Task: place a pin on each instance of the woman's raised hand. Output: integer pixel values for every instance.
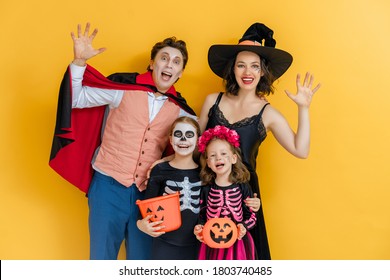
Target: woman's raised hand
(305, 92)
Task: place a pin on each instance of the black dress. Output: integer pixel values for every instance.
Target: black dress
(252, 133)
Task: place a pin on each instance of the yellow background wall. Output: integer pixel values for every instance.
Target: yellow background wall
(334, 205)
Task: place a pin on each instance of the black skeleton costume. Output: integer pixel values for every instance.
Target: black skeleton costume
(165, 179)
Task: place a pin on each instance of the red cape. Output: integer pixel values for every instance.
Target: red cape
(77, 132)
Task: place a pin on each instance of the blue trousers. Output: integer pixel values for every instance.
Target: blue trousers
(112, 218)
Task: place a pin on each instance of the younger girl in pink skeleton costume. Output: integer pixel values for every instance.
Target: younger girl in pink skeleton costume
(226, 188)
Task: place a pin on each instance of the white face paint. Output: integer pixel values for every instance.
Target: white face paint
(167, 68)
(184, 139)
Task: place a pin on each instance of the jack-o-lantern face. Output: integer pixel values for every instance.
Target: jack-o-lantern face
(158, 214)
(220, 233)
(164, 208)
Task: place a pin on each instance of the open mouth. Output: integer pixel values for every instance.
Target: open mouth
(166, 76)
(247, 80)
(221, 238)
(156, 218)
(183, 146)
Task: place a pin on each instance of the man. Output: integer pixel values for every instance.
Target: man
(136, 118)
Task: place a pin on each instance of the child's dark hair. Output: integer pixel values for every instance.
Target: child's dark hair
(239, 174)
(188, 120)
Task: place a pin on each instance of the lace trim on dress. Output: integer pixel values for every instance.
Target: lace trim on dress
(244, 122)
(240, 123)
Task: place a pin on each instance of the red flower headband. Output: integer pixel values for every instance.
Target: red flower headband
(221, 132)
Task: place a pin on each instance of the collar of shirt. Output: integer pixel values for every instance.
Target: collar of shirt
(158, 98)
(155, 104)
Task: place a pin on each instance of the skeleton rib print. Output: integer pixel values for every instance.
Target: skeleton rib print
(228, 203)
(189, 193)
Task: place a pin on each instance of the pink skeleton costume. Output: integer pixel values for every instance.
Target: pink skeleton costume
(227, 201)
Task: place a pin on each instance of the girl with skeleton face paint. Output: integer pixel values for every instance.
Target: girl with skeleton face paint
(181, 174)
(183, 139)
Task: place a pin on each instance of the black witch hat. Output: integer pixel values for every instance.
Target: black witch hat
(258, 39)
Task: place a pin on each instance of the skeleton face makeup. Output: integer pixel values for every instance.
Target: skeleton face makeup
(183, 139)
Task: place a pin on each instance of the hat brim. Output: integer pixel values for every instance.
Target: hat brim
(278, 60)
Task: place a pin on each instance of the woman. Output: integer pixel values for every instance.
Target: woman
(249, 70)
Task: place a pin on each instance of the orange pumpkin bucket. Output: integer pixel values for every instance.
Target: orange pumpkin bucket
(164, 208)
(219, 233)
